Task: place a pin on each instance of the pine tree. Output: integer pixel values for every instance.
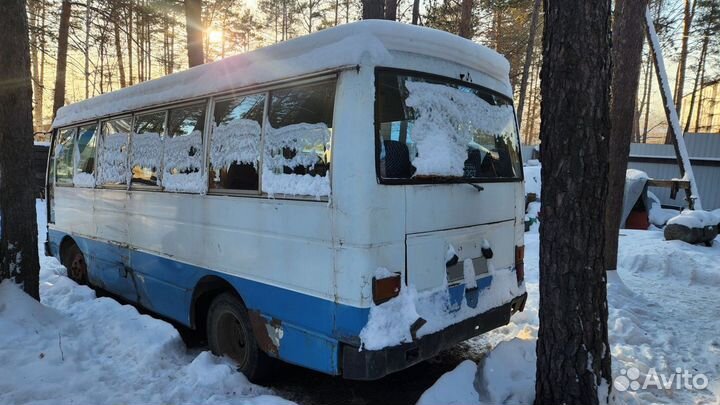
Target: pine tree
(573, 360)
(18, 233)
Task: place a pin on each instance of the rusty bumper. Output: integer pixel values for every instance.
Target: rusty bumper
(375, 364)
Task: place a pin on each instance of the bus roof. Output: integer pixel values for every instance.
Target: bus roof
(363, 42)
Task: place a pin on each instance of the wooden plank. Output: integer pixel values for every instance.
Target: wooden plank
(692, 195)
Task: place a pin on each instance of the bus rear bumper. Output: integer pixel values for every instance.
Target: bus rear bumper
(375, 364)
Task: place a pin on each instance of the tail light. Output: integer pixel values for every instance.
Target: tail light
(384, 289)
(520, 263)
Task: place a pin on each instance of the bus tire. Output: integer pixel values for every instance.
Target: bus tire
(230, 334)
(74, 262)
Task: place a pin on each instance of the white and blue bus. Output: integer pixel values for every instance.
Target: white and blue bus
(350, 201)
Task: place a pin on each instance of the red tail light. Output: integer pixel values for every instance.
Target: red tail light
(385, 288)
(520, 263)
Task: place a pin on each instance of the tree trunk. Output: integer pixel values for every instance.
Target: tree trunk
(118, 48)
(700, 65)
(627, 38)
(391, 10)
(531, 111)
(573, 360)
(373, 9)
(337, 11)
(533, 104)
(18, 247)
(415, 12)
(86, 50)
(140, 43)
(130, 42)
(193, 20)
(40, 100)
(700, 97)
(34, 58)
(61, 67)
(649, 97)
(680, 80)
(528, 60)
(466, 28)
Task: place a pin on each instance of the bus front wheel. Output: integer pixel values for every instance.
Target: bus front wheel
(230, 334)
(74, 262)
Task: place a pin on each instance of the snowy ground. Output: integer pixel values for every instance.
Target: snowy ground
(664, 307)
(76, 348)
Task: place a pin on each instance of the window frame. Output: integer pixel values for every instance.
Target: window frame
(267, 90)
(136, 115)
(74, 128)
(291, 82)
(439, 180)
(101, 123)
(266, 122)
(97, 139)
(211, 122)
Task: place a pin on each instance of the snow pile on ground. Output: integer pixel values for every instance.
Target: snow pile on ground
(663, 306)
(657, 215)
(695, 219)
(76, 348)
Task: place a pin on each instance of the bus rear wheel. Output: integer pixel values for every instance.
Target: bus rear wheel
(230, 334)
(74, 262)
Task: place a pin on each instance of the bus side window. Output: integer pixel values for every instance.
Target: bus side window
(64, 150)
(235, 144)
(183, 149)
(85, 169)
(113, 152)
(298, 137)
(146, 148)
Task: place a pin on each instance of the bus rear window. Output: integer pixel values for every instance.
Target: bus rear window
(443, 130)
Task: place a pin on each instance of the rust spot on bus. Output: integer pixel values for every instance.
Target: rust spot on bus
(267, 334)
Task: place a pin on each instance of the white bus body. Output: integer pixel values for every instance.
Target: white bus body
(316, 254)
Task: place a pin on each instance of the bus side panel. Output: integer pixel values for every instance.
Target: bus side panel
(308, 323)
(105, 263)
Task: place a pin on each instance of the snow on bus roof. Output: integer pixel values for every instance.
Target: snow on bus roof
(362, 42)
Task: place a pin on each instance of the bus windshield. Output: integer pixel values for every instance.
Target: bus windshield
(431, 129)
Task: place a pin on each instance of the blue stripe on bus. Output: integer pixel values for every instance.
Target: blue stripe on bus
(312, 327)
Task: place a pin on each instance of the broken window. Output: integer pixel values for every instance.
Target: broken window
(85, 155)
(183, 149)
(296, 158)
(146, 148)
(112, 167)
(235, 145)
(64, 148)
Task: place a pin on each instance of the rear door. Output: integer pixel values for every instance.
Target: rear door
(447, 225)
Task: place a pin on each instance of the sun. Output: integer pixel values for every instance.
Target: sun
(215, 35)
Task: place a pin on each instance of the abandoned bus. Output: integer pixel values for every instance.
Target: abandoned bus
(350, 201)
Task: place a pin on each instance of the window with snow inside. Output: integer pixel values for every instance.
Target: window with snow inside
(112, 168)
(432, 129)
(296, 156)
(183, 149)
(146, 148)
(235, 144)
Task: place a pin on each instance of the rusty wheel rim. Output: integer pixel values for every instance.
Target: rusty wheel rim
(78, 268)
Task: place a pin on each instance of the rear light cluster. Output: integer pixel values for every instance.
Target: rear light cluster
(520, 263)
(384, 289)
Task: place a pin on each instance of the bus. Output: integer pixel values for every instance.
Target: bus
(350, 201)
